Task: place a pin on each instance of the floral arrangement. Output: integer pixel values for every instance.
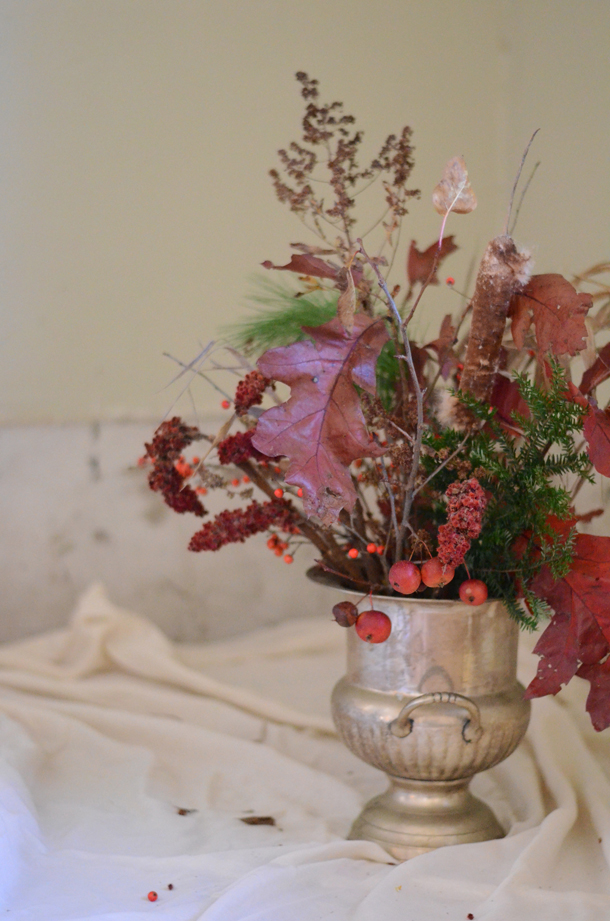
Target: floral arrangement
(448, 468)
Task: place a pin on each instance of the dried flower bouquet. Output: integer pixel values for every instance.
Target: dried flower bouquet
(450, 466)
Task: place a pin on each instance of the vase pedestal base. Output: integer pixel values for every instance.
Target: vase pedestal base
(416, 816)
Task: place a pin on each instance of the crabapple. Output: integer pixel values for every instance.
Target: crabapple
(345, 613)
(373, 626)
(435, 574)
(473, 591)
(405, 577)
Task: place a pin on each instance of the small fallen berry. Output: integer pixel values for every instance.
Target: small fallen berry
(246, 479)
(226, 404)
(170, 886)
(278, 493)
(235, 481)
(449, 280)
(353, 553)
(373, 626)
(300, 493)
(152, 896)
(195, 460)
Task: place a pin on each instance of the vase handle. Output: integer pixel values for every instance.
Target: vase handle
(403, 725)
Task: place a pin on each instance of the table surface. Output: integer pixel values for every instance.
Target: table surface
(130, 764)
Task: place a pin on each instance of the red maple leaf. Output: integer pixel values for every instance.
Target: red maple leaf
(321, 428)
(598, 372)
(419, 263)
(597, 434)
(577, 640)
(557, 311)
(506, 399)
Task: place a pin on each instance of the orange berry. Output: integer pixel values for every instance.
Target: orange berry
(288, 558)
(272, 542)
(246, 479)
(278, 493)
(300, 493)
(380, 549)
(201, 491)
(278, 551)
(371, 548)
(152, 896)
(353, 553)
(226, 404)
(235, 481)
(195, 460)
(449, 280)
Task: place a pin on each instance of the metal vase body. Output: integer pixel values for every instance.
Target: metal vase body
(431, 706)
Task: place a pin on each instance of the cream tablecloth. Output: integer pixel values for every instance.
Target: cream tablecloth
(127, 764)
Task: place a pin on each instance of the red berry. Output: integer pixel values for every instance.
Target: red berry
(246, 479)
(373, 626)
(353, 553)
(435, 574)
(345, 613)
(449, 280)
(380, 549)
(226, 404)
(278, 551)
(272, 542)
(405, 577)
(201, 491)
(288, 558)
(278, 493)
(300, 493)
(473, 591)
(152, 896)
(371, 548)
(235, 481)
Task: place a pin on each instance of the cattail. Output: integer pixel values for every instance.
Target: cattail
(503, 271)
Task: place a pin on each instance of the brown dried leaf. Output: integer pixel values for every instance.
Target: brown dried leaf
(346, 305)
(454, 192)
(305, 264)
(419, 263)
(258, 820)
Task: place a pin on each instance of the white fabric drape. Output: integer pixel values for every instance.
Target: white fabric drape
(128, 762)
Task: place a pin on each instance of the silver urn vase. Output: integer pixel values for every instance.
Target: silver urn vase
(433, 705)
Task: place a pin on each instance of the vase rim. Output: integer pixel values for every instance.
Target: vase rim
(317, 575)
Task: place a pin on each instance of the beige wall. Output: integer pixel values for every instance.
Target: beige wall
(137, 135)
